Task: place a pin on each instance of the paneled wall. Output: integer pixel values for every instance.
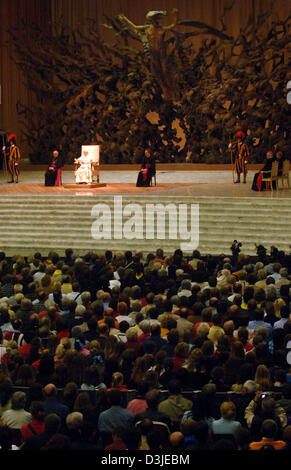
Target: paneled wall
(76, 13)
(13, 85)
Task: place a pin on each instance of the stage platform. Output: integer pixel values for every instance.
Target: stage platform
(38, 218)
(176, 183)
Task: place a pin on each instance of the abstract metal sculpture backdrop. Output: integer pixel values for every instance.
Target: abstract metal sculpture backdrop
(151, 84)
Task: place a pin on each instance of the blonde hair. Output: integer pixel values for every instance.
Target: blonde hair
(203, 329)
(60, 351)
(278, 304)
(62, 348)
(262, 274)
(131, 334)
(11, 345)
(66, 342)
(262, 377)
(228, 410)
(117, 379)
(215, 335)
(231, 279)
(94, 346)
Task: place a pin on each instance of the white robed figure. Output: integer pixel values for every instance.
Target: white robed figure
(84, 172)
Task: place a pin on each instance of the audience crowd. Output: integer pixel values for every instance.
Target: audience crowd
(118, 351)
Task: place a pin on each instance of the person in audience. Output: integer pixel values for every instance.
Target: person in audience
(114, 417)
(52, 404)
(227, 423)
(269, 432)
(176, 405)
(17, 415)
(36, 426)
(227, 328)
(117, 440)
(264, 406)
(52, 424)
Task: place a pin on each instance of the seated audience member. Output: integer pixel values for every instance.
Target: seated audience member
(92, 379)
(17, 415)
(259, 321)
(242, 437)
(52, 405)
(263, 378)
(139, 404)
(64, 326)
(6, 438)
(227, 423)
(285, 401)
(243, 398)
(117, 382)
(269, 441)
(262, 407)
(117, 440)
(52, 424)
(286, 437)
(6, 392)
(155, 337)
(36, 426)
(115, 416)
(69, 395)
(152, 412)
(204, 407)
(177, 443)
(175, 405)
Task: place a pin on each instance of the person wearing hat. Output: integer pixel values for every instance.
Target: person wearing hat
(258, 184)
(13, 160)
(148, 169)
(241, 155)
(53, 172)
(280, 159)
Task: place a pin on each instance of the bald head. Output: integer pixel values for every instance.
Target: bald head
(50, 390)
(176, 438)
(228, 327)
(109, 311)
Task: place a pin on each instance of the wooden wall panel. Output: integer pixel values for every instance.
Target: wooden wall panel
(76, 12)
(13, 83)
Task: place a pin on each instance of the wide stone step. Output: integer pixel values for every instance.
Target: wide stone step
(30, 223)
(146, 243)
(207, 231)
(204, 224)
(87, 208)
(81, 199)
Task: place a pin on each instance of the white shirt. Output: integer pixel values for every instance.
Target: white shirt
(121, 318)
(73, 296)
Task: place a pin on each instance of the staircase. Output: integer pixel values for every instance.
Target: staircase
(30, 223)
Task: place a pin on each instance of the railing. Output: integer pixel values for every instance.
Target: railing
(128, 395)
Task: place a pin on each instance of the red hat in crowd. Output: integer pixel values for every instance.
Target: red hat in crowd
(280, 153)
(12, 137)
(240, 134)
